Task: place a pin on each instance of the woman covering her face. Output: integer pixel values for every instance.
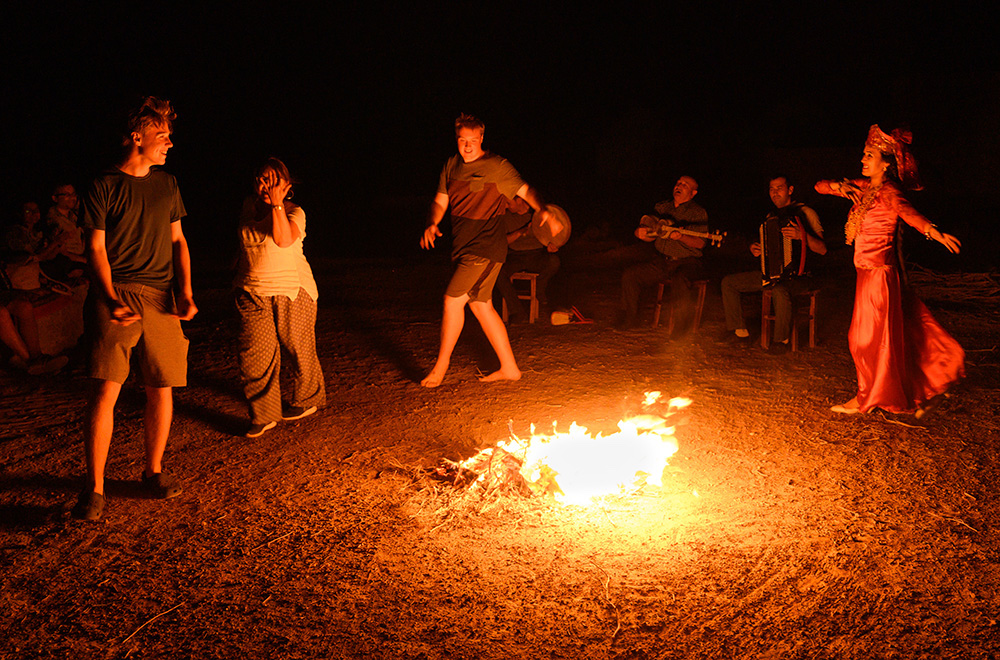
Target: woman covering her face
(276, 298)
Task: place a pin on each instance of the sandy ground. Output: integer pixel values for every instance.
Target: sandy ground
(781, 531)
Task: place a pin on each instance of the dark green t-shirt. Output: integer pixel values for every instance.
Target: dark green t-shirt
(136, 214)
(479, 194)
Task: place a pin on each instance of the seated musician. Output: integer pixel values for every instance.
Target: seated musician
(676, 259)
(525, 253)
(785, 273)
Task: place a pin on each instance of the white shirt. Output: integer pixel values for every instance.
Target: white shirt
(265, 268)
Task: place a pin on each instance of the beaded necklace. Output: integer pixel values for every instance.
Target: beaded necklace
(858, 212)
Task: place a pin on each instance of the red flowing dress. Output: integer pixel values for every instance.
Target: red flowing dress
(902, 355)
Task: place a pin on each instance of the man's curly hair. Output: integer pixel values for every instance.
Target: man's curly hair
(152, 112)
(469, 121)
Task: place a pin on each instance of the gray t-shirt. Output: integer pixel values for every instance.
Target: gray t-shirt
(136, 213)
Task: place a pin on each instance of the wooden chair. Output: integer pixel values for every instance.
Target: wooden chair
(803, 308)
(700, 287)
(531, 294)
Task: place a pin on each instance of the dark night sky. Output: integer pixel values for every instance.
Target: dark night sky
(600, 109)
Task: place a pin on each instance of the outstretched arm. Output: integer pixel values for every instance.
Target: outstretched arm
(913, 218)
(842, 188)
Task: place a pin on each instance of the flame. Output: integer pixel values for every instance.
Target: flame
(576, 467)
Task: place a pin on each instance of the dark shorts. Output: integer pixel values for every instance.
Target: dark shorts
(159, 343)
(474, 276)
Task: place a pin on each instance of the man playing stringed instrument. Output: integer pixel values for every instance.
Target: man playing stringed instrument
(797, 225)
(677, 257)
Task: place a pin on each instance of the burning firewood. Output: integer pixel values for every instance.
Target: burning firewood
(573, 467)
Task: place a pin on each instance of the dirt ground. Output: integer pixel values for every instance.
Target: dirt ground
(782, 530)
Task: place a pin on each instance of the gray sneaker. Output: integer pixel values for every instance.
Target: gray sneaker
(297, 412)
(257, 430)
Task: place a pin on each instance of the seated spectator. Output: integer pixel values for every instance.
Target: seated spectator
(676, 259)
(52, 301)
(19, 333)
(25, 244)
(798, 223)
(62, 228)
(24, 234)
(525, 253)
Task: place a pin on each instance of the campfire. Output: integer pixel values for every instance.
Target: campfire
(574, 467)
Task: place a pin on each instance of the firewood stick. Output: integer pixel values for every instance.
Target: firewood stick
(152, 620)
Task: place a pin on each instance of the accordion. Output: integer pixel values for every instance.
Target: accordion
(780, 257)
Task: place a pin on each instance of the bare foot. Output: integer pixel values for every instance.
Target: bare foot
(502, 374)
(433, 379)
(929, 406)
(850, 408)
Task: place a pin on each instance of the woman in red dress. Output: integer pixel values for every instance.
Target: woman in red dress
(904, 358)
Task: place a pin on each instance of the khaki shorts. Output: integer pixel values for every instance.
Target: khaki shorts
(474, 276)
(159, 343)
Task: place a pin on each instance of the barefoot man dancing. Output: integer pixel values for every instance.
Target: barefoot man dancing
(480, 188)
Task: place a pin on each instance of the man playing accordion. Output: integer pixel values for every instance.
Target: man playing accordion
(789, 233)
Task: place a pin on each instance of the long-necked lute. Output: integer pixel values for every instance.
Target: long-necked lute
(663, 227)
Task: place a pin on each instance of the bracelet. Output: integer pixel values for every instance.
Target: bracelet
(279, 207)
(927, 232)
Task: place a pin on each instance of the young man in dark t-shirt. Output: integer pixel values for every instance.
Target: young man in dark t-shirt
(480, 188)
(140, 292)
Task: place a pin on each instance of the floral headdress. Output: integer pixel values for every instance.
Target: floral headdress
(897, 145)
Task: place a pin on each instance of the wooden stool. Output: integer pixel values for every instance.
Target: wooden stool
(800, 312)
(700, 286)
(531, 294)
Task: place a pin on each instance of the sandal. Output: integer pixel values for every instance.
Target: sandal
(160, 487)
(90, 506)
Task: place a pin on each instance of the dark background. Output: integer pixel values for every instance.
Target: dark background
(600, 109)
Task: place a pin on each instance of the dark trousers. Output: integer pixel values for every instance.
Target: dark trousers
(540, 261)
(781, 298)
(678, 272)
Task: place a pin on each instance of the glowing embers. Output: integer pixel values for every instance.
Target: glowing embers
(575, 467)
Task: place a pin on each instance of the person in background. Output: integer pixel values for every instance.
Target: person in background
(19, 333)
(800, 227)
(676, 259)
(526, 253)
(62, 228)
